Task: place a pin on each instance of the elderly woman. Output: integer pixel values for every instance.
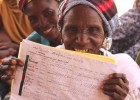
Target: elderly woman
(126, 38)
(42, 15)
(84, 27)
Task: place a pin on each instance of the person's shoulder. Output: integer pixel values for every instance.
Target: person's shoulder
(125, 59)
(34, 36)
(60, 46)
(130, 68)
(122, 56)
(130, 14)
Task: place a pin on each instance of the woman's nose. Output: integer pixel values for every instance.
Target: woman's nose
(82, 39)
(43, 22)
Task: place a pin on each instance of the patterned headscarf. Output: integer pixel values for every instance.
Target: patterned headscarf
(105, 8)
(23, 3)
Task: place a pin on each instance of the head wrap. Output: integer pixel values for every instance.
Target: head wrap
(23, 3)
(105, 8)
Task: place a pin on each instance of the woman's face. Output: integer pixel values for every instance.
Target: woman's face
(83, 30)
(43, 17)
(138, 6)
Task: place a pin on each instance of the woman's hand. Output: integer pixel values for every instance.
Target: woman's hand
(8, 67)
(8, 52)
(8, 49)
(116, 87)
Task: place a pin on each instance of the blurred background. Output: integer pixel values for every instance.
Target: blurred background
(123, 5)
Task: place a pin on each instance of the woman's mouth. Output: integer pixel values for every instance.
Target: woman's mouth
(48, 30)
(82, 50)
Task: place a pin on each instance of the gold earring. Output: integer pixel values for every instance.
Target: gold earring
(61, 41)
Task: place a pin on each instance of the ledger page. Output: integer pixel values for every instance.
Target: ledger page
(53, 74)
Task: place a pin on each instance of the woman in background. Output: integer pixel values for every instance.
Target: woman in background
(126, 38)
(42, 15)
(14, 26)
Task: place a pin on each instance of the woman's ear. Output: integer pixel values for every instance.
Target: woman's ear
(60, 31)
(61, 39)
(107, 43)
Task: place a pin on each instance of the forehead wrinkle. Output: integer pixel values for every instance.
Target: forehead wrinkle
(34, 4)
(71, 18)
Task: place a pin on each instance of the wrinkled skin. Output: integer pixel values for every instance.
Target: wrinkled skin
(8, 67)
(138, 6)
(87, 35)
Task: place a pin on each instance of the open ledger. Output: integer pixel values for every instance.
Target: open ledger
(56, 74)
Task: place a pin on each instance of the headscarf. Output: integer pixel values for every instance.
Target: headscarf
(105, 8)
(23, 3)
(14, 22)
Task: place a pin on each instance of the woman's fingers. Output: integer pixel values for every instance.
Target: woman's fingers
(119, 75)
(6, 77)
(6, 72)
(115, 89)
(8, 67)
(116, 86)
(4, 67)
(12, 61)
(9, 61)
(118, 82)
(19, 62)
(113, 96)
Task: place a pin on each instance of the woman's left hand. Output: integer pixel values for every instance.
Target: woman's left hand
(8, 67)
(116, 87)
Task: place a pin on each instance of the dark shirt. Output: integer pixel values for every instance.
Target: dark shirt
(4, 89)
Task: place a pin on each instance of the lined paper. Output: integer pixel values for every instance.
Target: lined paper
(54, 74)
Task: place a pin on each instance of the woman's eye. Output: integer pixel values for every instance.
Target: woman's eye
(32, 20)
(73, 30)
(92, 30)
(49, 13)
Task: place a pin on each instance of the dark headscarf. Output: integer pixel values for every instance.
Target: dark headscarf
(105, 8)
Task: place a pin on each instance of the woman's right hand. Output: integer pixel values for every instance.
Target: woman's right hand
(116, 86)
(8, 67)
(8, 49)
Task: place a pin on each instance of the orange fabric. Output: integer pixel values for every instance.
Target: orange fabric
(15, 23)
(22, 3)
